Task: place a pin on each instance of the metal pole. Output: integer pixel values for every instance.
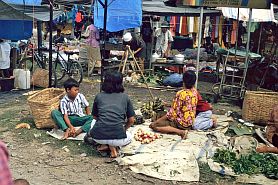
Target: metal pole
(104, 38)
(259, 44)
(50, 42)
(199, 44)
(247, 49)
(39, 30)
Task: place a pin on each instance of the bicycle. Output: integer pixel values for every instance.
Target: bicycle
(70, 67)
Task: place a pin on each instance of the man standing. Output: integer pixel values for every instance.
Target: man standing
(163, 40)
(137, 45)
(5, 61)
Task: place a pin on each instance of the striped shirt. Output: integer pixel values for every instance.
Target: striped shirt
(67, 106)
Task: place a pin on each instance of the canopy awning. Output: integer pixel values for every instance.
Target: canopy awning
(258, 15)
(25, 12)
(157, 7)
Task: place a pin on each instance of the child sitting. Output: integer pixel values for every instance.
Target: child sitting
(114, 114)
(182, 113)
(70, 113)
(204, 119)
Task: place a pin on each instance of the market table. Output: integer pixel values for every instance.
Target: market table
(167, 64)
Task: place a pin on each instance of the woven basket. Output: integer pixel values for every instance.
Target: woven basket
(42, 103)
(257, 105)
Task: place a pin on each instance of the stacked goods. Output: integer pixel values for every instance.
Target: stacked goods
(146, 137)
(149, 109)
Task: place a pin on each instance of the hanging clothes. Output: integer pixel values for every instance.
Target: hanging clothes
(216, 31)
(190, 23)
(184, 30)
(233, 35)
(178, 24)
(220, 29)
(207, 25)
(173, 25)
(196, 24)
(213, 25)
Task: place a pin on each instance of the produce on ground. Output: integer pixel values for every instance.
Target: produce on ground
(252, 163)
(149, 109)
(146, 137)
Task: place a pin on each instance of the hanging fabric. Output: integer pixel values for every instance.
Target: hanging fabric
(184, 30)
(213, 25)
(190, 23)
(233, 35)
(178, 24)
(217, 20)
(173, 25)
(220, 29)
(207, 25)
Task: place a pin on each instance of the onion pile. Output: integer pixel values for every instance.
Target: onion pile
(146, 137)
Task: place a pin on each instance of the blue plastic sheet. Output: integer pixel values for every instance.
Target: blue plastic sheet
(27, 2)
(121, 15)
(16, 29)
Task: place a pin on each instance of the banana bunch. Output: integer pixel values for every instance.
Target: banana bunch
(150, 108)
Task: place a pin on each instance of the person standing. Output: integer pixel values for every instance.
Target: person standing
(5, 61)
(147, 34)
(163, 40)
(93, 50)
(137, 45)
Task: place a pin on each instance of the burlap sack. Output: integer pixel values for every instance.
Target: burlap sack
(40, 78)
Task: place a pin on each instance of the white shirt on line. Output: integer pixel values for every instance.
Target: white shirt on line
(5, 50)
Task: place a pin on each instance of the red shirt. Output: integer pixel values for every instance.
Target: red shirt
(5, 174)
(202, 105)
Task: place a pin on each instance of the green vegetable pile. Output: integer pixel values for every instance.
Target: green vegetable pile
(252, 163)
(150, 108)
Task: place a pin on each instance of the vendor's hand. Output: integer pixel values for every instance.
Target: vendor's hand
(166, 104)
(72, 131)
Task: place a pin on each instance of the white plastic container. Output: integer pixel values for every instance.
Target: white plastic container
(22, 78)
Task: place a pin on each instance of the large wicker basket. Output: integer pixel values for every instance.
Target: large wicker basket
(42, 103)
(257, 105)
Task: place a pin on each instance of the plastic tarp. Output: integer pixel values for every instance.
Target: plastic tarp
(121, 14)
(258, 15)
(16, 29)
(26, 2)
(25, 12)
(157, 7)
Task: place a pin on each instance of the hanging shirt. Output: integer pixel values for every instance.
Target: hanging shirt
(93, 38)
(5, 50)
(162, 40)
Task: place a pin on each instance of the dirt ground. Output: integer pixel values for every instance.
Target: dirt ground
(42, 160)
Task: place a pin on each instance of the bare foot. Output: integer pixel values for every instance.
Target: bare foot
(183, 134)
(214, 121)
(66, 134)
(114, 152)
(79, 131)
(262, 149)
(103, 148)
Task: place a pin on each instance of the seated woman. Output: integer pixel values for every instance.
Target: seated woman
(114, 114)
(181, 115)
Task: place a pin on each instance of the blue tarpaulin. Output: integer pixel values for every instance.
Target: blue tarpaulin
(16, 29)
(121, 14)
(27, 2)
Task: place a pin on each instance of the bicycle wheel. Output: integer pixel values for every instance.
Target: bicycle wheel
(59, 70)
(76, 71)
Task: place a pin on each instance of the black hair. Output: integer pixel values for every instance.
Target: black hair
(113, 82)
(59, 30)
(189, 79)
(69, 83)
